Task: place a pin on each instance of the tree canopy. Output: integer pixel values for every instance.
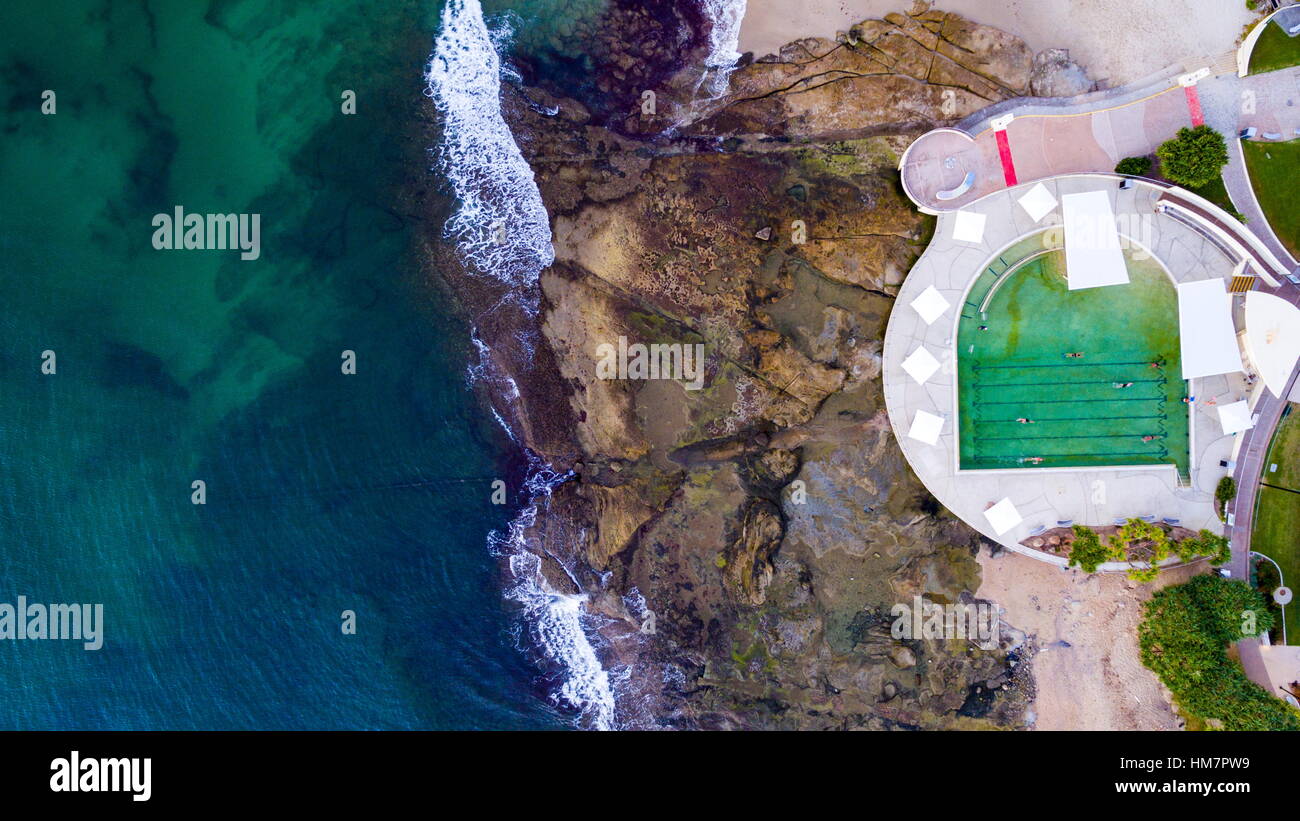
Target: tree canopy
(1193, 158)
(1183, 637)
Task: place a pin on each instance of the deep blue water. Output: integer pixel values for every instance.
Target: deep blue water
(325, 492)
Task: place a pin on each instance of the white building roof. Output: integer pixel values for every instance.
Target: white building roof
(969, 226)
(1003, 516)
(1092, 254)
(1205, 330)
(920, 365)
(1272, 338)
(930, 304)
(926, 427)
(1235, 417)
(1038, 202)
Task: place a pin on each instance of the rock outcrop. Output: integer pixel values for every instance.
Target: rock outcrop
(880, 76)
(767, 519)
(1054, 74)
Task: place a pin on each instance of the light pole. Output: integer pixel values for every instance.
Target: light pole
(1281, 582)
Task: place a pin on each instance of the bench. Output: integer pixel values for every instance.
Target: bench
(953, 193)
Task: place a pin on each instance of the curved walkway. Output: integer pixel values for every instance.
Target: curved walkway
(1092, 133)
(1047, 139)
(1045, 496)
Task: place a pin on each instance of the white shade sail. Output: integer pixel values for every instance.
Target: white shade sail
(930, 304)
(1038, 202)
(969, 226)
(1092, 254)
(1272, 338)
(920, 365)
(1003, 516)
(926, 427)
(1205, 331)
(1235, 417)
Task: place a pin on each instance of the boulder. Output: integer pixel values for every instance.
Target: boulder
(1054, 74)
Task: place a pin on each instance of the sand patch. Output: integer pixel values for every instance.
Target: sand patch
(1118, 41)
(1088, 672)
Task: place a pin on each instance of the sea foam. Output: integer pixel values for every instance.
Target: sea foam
(555, 622)
(500, 224)
(724, 37)
(724, 44)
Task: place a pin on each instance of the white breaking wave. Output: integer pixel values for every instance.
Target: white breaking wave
(500, 225)
(724, 44)
(724, 37)
(555, 620)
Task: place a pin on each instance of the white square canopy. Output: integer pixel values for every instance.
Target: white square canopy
(1003, 516)
(930, 304)
(1038, 202)
(1092, 254)
(926, 427)
(1235, 417)
(1205, 332)
(920, 365)
(969, 226)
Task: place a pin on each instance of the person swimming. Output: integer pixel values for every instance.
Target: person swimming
(1123, 384)
(1025, 421)
(1075, 355)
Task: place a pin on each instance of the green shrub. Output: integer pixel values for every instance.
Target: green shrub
(1194, 157)
(1225, 492)
(1088, 552)
(1135, 166)
(1183, 637)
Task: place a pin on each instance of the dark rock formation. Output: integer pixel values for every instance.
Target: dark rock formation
(768, 519)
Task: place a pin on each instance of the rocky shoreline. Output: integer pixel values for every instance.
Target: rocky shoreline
(743, 544)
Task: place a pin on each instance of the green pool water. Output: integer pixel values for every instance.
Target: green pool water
(1018, 369)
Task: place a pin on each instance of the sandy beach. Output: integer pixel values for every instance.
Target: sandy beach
(1088, 671)
(1118, 41)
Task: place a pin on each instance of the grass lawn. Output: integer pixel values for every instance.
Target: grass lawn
(1274, 169)
(1277, 512)
(1284, 451)
(1274, 50)
(1216, 193)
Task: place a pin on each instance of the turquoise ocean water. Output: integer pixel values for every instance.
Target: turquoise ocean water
(325, 492)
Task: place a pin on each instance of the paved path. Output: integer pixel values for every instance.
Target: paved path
(1046, 139)
(1269, 102)
(1250, 460)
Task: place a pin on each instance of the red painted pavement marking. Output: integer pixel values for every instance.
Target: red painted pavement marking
(1194, 105)
(1004, 151)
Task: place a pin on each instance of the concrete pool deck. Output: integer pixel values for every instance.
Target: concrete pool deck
(1045, 496)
